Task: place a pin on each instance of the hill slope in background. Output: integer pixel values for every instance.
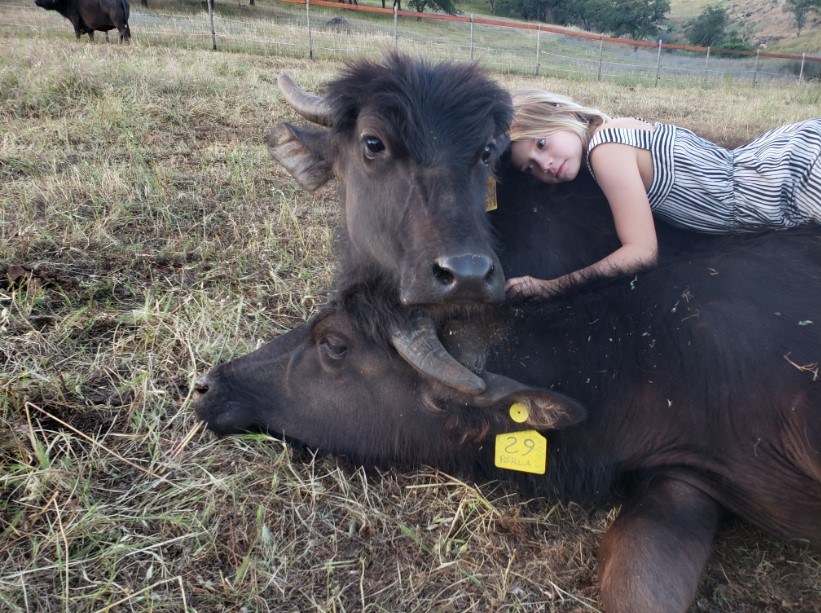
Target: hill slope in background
(768, 22)
(759, 21)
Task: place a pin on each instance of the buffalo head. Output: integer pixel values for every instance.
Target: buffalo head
(413, 146)
(336, 385)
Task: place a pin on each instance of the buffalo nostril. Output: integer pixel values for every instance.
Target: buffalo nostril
(443, 275)
(201, 384)
(463, 269)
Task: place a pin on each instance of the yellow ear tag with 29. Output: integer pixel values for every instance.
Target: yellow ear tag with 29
(525, 451)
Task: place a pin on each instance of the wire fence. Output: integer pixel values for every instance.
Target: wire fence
(333, 30)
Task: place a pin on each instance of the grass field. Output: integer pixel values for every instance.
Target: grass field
(145, 235)
(282, 29)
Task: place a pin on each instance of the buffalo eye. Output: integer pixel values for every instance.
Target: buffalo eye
(487, 153)
(373, 146)
(335, 349)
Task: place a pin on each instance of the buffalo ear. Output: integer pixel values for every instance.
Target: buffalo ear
(549, 410)
(546, 409)
(302, 152)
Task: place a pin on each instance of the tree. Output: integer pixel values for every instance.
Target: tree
(709, 28)
(799, 9)
(636, 18)
(592, 15)
(639, 19)
(446, 6)
(535, 10)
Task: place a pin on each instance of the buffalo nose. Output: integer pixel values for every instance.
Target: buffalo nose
(201, 384)
(466, 273)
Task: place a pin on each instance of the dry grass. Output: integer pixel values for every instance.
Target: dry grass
(274, 28)
(146, 235)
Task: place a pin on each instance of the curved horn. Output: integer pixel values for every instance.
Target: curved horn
(313, 108)
(422, 349)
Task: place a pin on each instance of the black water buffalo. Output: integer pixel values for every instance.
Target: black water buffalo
(687, 392)
(90, 15)
(412, 145)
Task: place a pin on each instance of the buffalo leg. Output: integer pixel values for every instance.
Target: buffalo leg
(652, 557)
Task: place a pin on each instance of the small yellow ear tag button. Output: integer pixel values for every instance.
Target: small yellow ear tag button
(524, 451)
(518, 412)
(490, 195)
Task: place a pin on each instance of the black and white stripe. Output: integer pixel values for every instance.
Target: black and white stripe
(773, 182)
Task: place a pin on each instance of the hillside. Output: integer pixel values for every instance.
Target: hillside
(762, 21)
(769, 22)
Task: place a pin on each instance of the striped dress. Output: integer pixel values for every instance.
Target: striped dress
(773, 182)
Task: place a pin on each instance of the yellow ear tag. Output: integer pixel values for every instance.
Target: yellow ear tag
(518, 412)
(524, 451)
(490, 195)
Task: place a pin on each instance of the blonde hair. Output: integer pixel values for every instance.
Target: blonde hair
(537, 113)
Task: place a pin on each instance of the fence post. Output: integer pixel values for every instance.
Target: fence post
(601, 55)
(658, 64)
(801, 72)
(471, 38)
(395, 26)
(310, 40)
(211, 19)
(706, 61)
(755, 70)
(538, 46)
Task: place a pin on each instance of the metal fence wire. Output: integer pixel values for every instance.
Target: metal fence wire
(334, 30)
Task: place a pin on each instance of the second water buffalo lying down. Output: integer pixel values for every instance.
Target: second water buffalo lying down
(687, 393)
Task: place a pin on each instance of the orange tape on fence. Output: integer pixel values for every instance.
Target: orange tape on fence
(548, 29)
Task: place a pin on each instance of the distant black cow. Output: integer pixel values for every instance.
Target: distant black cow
(412, 145)
(90, 15)
(687, 392)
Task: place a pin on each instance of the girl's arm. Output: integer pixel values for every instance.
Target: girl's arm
(617, 171)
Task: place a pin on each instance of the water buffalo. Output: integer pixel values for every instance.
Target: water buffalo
(687, 393)
(90, 15)
(412, 145)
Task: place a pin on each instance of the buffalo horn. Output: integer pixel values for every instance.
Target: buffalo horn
(422, 349)
(313, 108)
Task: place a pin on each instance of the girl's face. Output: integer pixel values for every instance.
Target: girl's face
(552, 159)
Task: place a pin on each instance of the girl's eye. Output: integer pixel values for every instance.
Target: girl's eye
(373, 146)
(540, 144)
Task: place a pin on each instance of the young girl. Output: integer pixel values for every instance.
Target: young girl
(646, 169)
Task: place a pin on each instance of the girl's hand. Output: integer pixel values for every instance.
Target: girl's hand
(524, 288)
